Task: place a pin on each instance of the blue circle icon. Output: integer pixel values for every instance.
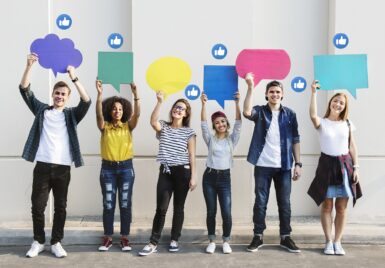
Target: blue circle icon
(63, 21)
(219, 51)
(340, 40)
(298, 84)
(115, 40)
(192, 92)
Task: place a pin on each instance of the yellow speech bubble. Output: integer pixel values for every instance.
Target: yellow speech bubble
(168, 74)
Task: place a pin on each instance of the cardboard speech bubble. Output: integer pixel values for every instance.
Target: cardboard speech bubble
(56, 54)
(263, 63)
(220, 83)
(116, 68)
(168, 74)
(348, 71)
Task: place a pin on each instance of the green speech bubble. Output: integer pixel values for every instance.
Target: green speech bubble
(116, 68)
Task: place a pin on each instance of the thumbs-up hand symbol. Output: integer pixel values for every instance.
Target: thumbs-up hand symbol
(341, 41)
(220, 52)
(117, 41)
(64, 22)
(193, 92)
(300, 84)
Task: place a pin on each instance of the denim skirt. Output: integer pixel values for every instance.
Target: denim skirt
(342, 190)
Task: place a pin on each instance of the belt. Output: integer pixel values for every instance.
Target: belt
(116, 163)
(218, 171)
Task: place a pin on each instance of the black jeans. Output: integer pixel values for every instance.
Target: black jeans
(176, 182)
(46, 177)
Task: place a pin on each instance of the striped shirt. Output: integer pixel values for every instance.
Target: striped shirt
(173, 149)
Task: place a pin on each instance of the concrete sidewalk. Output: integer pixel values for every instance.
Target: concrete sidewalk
(88, 231)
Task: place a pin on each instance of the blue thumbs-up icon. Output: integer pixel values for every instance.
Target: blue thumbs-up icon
(63, 21)
(298, 84)
(340, 40)
(115, 40)
(219, 51)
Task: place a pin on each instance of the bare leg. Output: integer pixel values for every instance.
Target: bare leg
(340, 220)
(326, 218)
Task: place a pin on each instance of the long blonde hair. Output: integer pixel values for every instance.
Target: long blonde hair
(344, 114)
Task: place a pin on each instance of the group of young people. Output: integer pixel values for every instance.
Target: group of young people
(274, 150)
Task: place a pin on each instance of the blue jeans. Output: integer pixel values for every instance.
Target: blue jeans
(117, 176)
(282, 183)
(217, 183)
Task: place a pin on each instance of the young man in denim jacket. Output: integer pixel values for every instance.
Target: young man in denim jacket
(274, 143)
(54, 144)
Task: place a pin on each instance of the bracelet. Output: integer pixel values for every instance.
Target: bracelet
(298, 164)
(136, 99)
(75, 79)
(356, 167)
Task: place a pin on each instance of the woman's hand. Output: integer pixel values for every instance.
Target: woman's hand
(160, 96)
(355, 177)
(31, 59)
(314, 86)
(192, 184)
(203, 98)
(249, 78)
(99, 87)
(237, 96)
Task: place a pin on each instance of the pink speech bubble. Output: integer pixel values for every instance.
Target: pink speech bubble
(264, 63)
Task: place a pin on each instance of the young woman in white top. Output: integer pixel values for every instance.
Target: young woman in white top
(337, 172)
(216, 178)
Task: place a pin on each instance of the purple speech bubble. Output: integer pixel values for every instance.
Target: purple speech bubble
(56, 54)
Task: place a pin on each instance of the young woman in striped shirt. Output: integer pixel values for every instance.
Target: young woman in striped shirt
(177, 169)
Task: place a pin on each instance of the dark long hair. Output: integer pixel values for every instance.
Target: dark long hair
(108, 105)
(186, 120)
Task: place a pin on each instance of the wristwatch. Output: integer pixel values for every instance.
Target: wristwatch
(298, 164)
(75, 79)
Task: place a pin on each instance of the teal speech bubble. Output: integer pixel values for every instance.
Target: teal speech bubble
(116, 68)
(348, 72)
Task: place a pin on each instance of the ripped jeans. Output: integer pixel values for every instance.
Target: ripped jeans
(117, 177)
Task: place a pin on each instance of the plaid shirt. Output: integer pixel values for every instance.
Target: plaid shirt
(72, 115)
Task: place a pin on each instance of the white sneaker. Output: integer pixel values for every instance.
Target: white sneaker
(210, 248)
(226, 248)
(35, 249)
(58, 250)
(148, 249)
(338, 250)
(329, 248)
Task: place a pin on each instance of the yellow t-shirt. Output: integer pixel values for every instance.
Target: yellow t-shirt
(116, 142)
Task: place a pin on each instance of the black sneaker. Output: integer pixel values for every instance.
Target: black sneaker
(289, 244)
(255, 244)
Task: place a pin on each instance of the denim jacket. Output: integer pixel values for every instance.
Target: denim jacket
(72, 115)
(288, 131)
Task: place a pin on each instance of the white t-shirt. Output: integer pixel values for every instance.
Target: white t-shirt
(271, 153)
(54, 147)
(334, 136)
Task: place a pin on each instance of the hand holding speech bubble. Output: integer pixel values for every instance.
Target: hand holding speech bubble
(56, 54)
(264, 63)
(348, 71)
(168, 74)
(220, 83)
(116, 68)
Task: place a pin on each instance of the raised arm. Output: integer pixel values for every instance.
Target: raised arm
(136, 113)
(203, 110)
(249, 95)
(237, 107)
(31, 59)
(99, 107)
(155, 113)
(313, 104)
(82, 92)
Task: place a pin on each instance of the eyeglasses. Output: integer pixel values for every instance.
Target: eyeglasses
(179, 108)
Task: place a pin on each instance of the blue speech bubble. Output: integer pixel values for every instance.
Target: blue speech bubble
(220, 83)
(219, 51)
(63, 21)
(192, 92)
(348, 72)
(340, 40)
(298, 84)
(115, 40)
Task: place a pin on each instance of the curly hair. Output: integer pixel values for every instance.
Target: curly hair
(108, 105)
(186, 120)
